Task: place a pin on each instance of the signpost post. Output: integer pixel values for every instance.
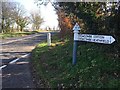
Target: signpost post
(89, 38)
(76, 29)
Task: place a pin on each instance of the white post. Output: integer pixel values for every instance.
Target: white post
(49, 39)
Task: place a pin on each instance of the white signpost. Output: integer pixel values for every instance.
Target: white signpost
(89, 38)
(76, 27)
(95, 38)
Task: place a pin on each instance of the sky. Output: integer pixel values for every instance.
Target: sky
(47, 12)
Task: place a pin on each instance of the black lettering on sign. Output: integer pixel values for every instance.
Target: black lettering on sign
(88, 39)
(93, 39)
(98, 36)
(107, 41)
(103, 40)
(97, 39)
(89, 36)
(100, 40)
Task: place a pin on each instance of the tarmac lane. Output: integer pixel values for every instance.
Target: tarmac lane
(15, 61)
(17, 75)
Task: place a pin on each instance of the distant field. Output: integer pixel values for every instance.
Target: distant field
(47, 30)
(16, 34)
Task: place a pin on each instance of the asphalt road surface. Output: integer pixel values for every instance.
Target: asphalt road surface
(15, 60)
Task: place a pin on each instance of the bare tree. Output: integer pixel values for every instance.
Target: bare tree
(13, 12)
(0, 17)
(22, 22)
(36, 20)
(19, 16)
(6, 14)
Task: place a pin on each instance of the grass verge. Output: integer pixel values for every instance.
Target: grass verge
(94, 69)
(16, 34)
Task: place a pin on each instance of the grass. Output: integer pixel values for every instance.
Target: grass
(16, 34)
(92, 70)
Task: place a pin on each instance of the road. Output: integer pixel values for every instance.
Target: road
(15, 61)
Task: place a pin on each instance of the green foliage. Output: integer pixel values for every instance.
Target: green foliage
(13, 13)
(93, 14)
(94, 18)
(93, 69)
(22, 22)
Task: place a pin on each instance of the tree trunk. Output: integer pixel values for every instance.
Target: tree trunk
(18, 28)
(21, 28)
(2, 28)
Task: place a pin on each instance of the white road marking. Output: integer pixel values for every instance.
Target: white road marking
(15, 60)
(1, 54)
(3, 67)
(19, 39)
(25, 55)
(18, 58)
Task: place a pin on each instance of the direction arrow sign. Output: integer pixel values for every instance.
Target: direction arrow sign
(95, 38)
(76, 27)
